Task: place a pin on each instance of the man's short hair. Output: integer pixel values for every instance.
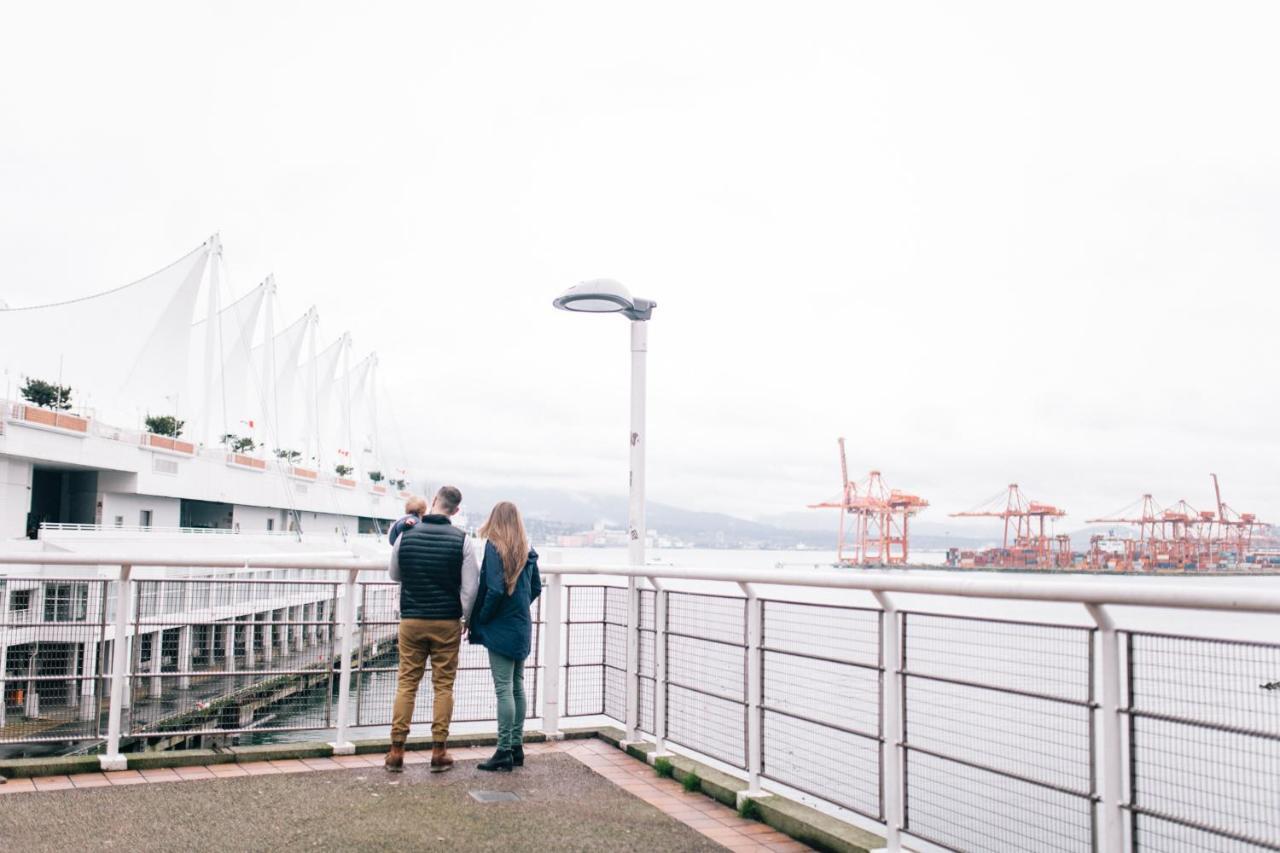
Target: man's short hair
(449, 498)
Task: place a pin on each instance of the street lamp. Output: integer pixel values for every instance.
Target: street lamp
(605, 296)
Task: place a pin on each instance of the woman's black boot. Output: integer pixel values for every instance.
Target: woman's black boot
(517, 756)
(501, 760)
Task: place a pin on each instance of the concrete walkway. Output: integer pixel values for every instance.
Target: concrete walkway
(574, 795)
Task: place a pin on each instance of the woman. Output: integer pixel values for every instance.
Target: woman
(509, 583)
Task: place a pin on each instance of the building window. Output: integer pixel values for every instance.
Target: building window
(20, 599)
(271, 524)
(119, 521)
(66, 602)
(144, 518)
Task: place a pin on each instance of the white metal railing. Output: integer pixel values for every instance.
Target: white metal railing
(1113, 799)
(65, 527)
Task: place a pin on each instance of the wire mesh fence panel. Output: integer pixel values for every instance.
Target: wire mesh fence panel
(584, 679)
(999, 733)
(615, 652)
(222, 655)
(708, 724)
(375, 672)
(706, 674)
(1204, 737)
(968, 808)
(53, 643)
(821, 702)
(647, 663)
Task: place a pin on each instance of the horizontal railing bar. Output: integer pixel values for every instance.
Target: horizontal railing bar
(1121, 592)
(321, 669)
(1018, 777)
(703, 692)
(1202, 639)
(18, 679)
(1012, 691)
(826, 725)
(1201, 724)
(1191, 824)
(730, 643)
(1065, 626)
(824, 658)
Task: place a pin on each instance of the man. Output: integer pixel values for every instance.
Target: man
(436, 566)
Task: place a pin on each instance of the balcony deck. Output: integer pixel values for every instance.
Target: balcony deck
(574, 795)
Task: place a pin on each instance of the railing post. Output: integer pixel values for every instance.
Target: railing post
(659, 669)
(755, 694)
(341, 745)
(891, 750)
(1111, 833)
(552, 610)
(113, 760)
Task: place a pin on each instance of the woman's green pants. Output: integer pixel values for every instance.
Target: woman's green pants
(508, 683)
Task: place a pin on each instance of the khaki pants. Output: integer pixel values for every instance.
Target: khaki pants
(421, 640)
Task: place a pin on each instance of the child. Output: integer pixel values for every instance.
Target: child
(414, 509)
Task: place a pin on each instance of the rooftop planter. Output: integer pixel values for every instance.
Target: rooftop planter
(300, 473)
(166, 444)
(50, 419)
(378, 488)
(243, 460)
(345, 482)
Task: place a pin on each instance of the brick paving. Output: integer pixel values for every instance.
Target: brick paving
(711, 819)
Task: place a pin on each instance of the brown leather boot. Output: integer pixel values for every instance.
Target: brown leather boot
(440, 760)
(395, 758)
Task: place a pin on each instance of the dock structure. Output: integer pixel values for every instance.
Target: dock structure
(967, 712)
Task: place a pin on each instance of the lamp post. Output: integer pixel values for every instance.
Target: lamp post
(605, 296)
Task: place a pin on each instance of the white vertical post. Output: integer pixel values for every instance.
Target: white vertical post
(4, 647)
(637, 531)
(229, 644)
(113, 760)
(659, 669)
(552, 609)
(1111, 797)
(184, 656)
(891, 751)
(755, 692)
(341, 745)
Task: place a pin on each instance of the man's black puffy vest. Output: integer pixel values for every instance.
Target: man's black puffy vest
(431, 570)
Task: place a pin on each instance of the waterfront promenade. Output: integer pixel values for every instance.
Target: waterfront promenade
(933, 710)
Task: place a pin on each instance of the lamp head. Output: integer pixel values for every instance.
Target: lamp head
(604, 296)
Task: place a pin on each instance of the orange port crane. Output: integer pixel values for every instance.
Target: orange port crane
(1031, 545)
(874, 519)
(1235, 529)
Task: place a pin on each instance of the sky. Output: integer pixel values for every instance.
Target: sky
(985, 242)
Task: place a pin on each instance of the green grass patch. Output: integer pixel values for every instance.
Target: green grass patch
(749, 810)
(691, 783)
(664, 768)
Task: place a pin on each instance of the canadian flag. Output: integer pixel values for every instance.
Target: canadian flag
(249, 424)
(344, 452)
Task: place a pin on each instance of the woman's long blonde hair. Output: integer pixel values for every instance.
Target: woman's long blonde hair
(505, 529)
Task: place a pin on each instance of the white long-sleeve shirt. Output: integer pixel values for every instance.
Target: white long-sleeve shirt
(470, 573)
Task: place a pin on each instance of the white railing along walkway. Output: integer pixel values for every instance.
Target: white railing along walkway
(1110, 795)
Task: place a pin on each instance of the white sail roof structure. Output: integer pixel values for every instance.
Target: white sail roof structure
(141, 349)
(121, 351)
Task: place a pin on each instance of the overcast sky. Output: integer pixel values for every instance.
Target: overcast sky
(985, 242)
